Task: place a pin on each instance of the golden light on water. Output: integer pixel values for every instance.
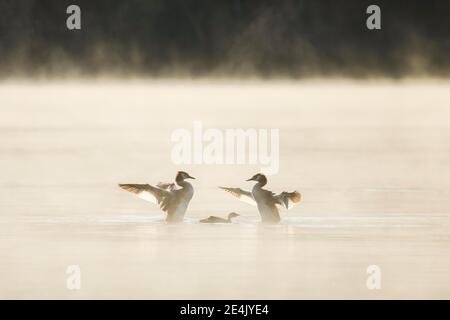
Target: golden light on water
(370, 159)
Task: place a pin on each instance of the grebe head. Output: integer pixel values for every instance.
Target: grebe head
(181, 175)
(259, 177)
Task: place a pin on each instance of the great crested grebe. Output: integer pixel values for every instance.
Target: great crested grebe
(214, 219)
(265, 200)
(171, 200)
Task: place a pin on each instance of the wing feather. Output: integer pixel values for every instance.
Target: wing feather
(243, 195)
(147, 192)
(168, 186)
(288, 199)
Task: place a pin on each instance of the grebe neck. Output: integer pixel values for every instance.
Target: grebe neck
(181, 182)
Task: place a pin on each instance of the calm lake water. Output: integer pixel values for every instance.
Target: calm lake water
(371, 160)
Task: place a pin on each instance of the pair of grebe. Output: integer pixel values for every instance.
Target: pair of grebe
(174, 201)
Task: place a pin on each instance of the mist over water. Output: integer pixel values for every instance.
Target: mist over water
(238, 38)
(363, 126)
(369, 158)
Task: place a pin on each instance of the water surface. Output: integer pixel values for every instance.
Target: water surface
(370, 159)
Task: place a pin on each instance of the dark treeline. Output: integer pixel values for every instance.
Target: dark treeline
(293, 38)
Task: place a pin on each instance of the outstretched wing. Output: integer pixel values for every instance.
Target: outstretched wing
(148, 193)
(288, 199)
(242, 195)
